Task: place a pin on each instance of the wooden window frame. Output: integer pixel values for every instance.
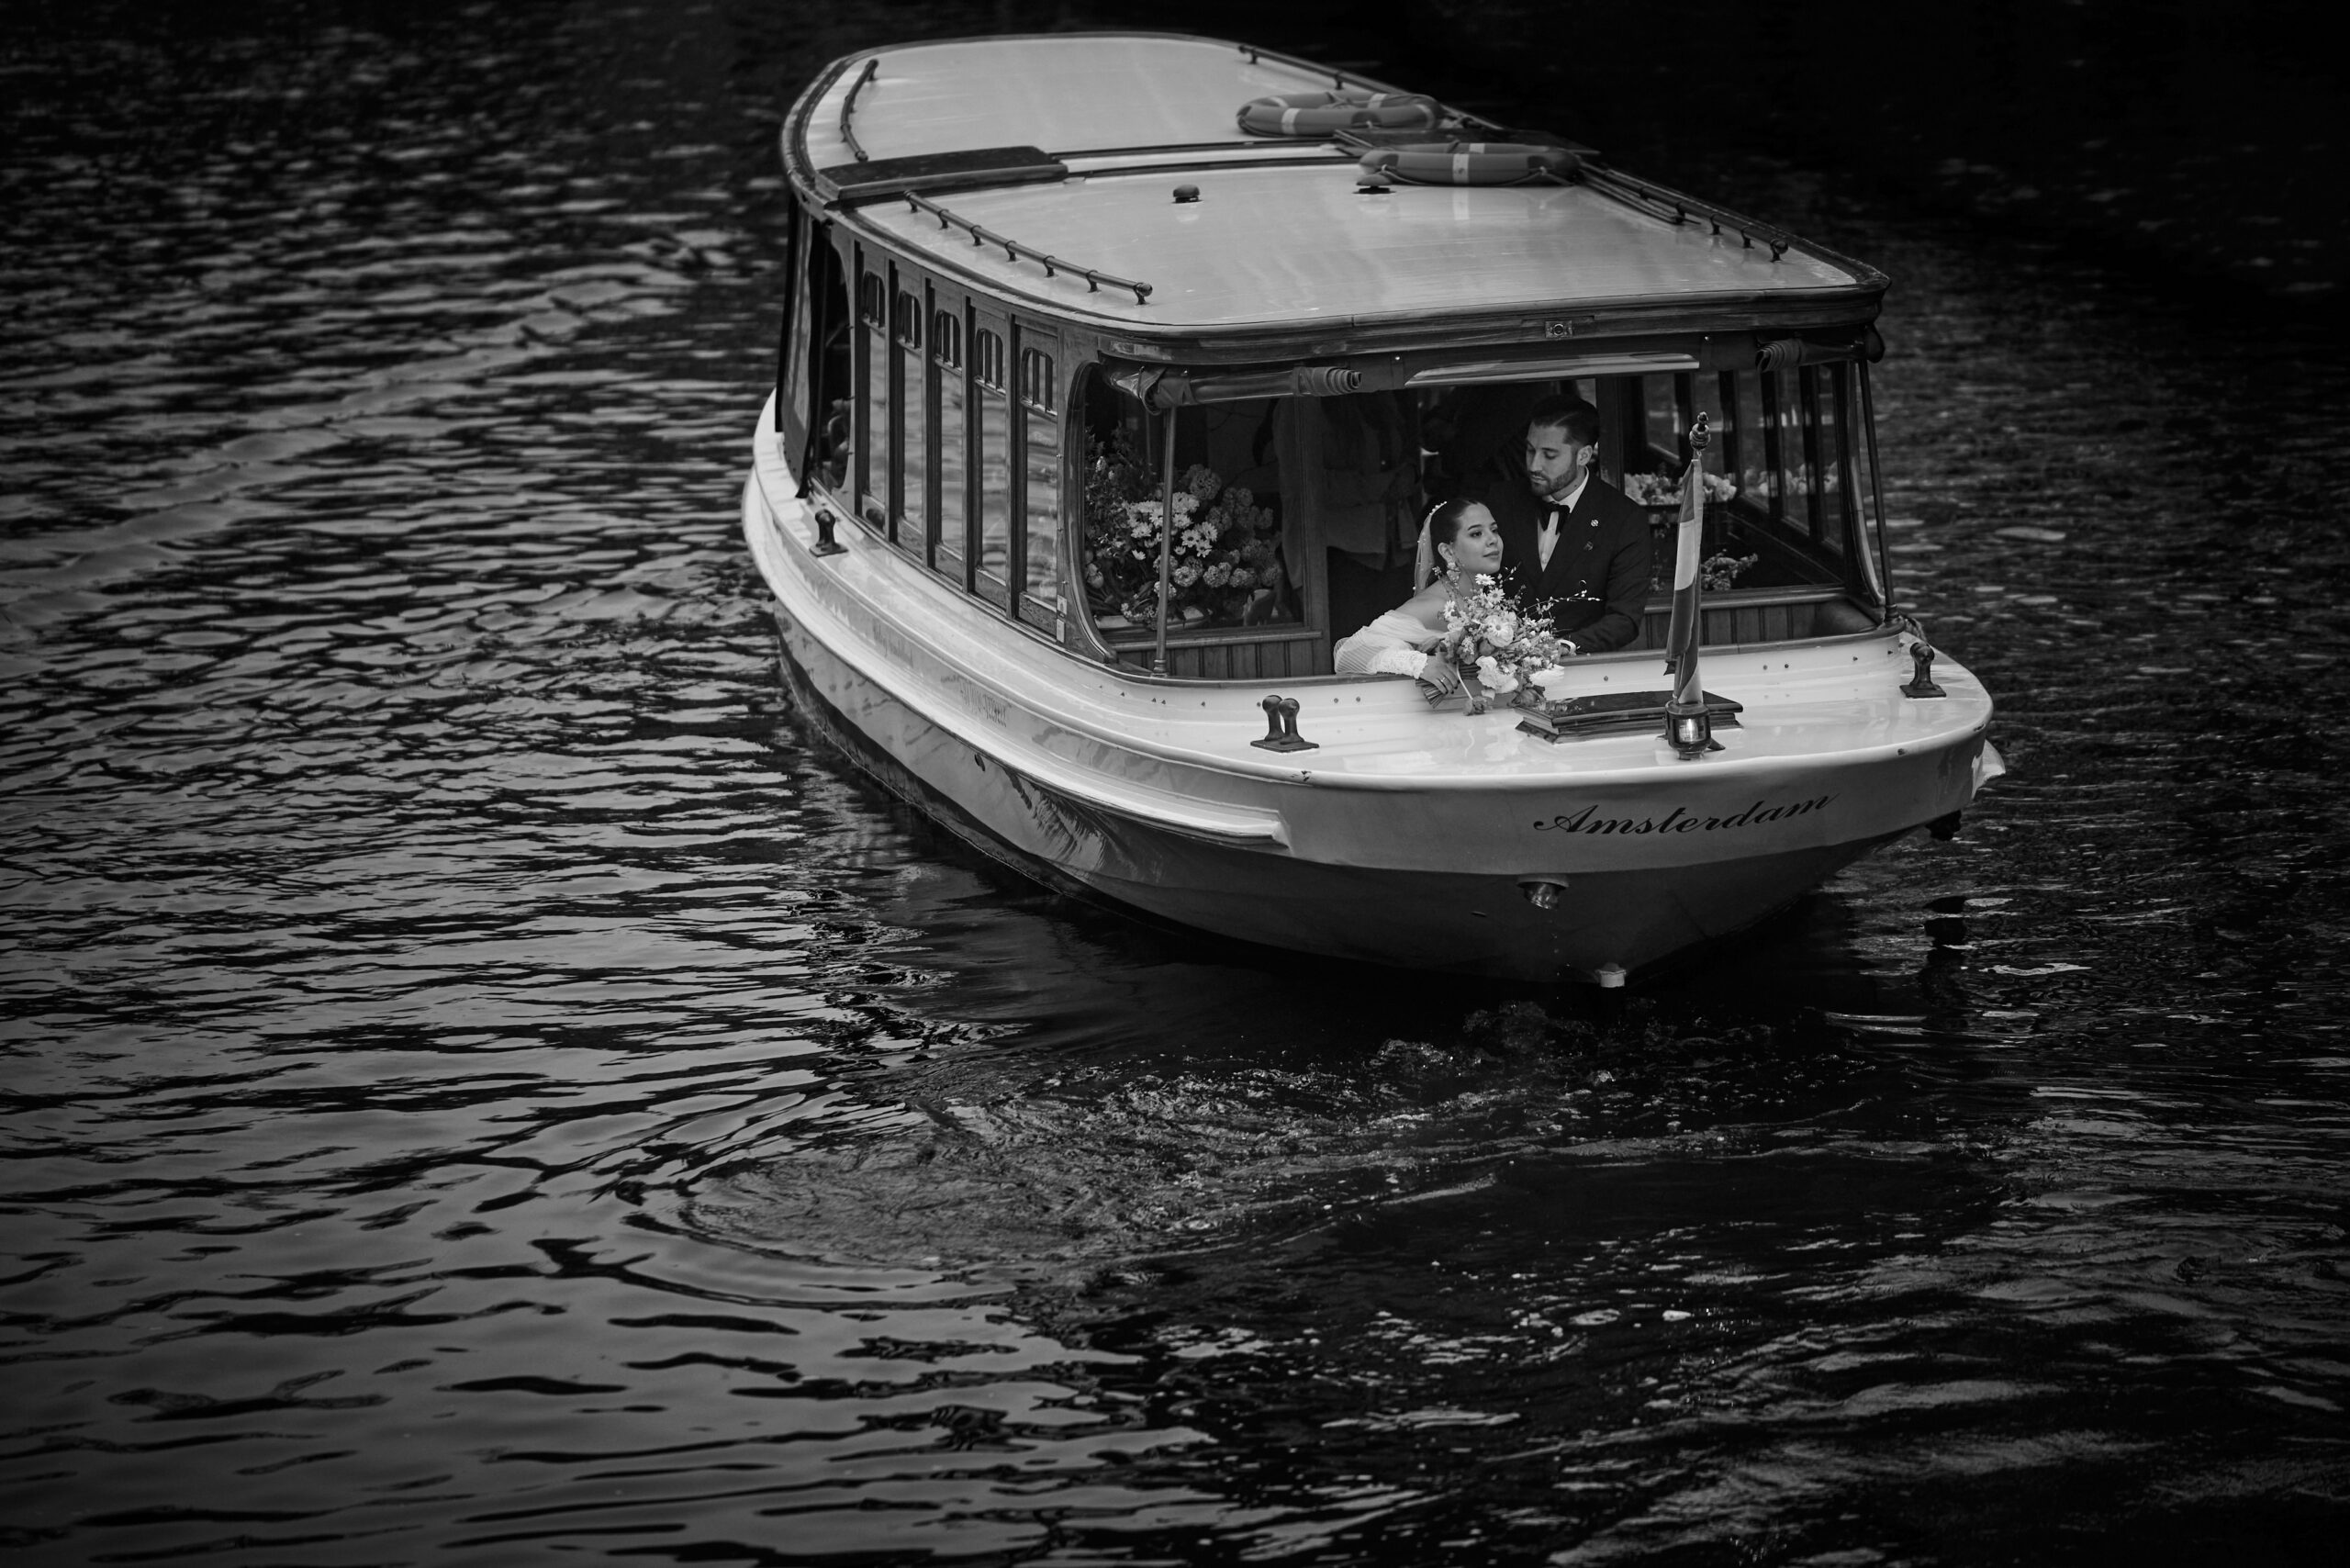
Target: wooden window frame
(1036, 391)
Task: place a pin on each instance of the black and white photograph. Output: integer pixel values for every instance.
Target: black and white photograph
(1048, 783)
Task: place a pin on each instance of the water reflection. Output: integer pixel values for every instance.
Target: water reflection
(484, 1081)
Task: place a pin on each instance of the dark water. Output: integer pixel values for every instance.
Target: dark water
(483, 1086)
(2181, 137)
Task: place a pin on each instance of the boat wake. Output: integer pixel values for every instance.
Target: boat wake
(1075, 1170)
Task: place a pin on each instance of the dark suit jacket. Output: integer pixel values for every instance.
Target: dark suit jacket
(1598, 574)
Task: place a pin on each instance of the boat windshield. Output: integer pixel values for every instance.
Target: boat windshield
(993, 448)
(1296, 515)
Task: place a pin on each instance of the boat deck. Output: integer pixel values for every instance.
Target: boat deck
(1801, 700)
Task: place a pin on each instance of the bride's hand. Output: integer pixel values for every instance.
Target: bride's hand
(1437, 678)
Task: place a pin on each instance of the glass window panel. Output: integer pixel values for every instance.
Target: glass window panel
(1043, 504)
(992, 457)
(792, 395)
(947, 353)
(1727, 454)
(1832, 400)
(832, 368)
(873, 489)
(873, 406)
(1801, 450)
(1771, 400)
(993, 443)
(1623, 448)
(1864, 496)
(1036, 379)
(1753, 472)
(1662, 419)
(913, 448)
(1118, 461)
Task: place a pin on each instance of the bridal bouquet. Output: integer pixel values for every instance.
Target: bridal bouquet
(1501, 649)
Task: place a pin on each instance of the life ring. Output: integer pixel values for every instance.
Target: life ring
(1350, 108)
(1468, 164)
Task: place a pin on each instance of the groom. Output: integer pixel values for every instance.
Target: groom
(1569, 536)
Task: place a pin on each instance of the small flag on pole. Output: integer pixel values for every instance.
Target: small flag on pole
(1680, 641)
(1687, 725)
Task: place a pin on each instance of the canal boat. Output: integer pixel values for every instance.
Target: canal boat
(1116, 373)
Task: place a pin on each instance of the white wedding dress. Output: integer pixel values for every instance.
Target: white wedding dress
(1396, 644)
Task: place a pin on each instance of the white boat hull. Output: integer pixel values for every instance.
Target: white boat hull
(1406, 837)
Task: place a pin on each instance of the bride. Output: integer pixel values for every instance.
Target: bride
(1459, 543)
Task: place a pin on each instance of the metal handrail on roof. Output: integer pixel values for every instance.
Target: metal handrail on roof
(1338, 77)
(848, 107)
(1013, 250)
(1675, 208)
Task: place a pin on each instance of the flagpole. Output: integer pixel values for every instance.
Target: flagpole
(1687, 728)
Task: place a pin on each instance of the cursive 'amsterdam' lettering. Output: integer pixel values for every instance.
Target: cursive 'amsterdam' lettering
(1680, 820)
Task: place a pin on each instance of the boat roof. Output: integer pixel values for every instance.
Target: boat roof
(1267, 246)
(1069, 93)
(1071, 146)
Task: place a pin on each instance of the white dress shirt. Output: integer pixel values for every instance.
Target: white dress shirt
(1547, 535)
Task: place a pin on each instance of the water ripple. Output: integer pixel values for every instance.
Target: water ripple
(483, 1081)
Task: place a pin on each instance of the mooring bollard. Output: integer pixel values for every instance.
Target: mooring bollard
(1281, 726)
(1922, 678)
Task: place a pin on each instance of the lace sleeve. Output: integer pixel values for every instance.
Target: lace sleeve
(1371, 653)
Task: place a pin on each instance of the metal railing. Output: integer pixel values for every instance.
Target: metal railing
(848, 107)
(1678, 209)
(1013, 250)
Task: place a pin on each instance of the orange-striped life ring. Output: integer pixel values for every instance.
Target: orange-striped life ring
(1468, 163)
(1350, 108)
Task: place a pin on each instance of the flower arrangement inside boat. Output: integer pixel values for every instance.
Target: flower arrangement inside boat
(1654, 490)
(1719, 572)
(1501, 648)
(1661, 493)
(1226, 566)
